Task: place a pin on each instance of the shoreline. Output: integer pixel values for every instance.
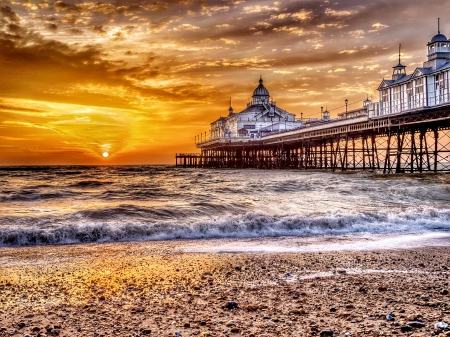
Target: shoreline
(159, 288)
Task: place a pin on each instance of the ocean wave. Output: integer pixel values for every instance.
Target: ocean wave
(32, 195)
(90, 183)
(246, 225)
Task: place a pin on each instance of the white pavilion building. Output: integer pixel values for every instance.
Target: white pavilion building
(426, 86)
(261, 116)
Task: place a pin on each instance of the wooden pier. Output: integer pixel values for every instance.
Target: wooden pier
(408, 142)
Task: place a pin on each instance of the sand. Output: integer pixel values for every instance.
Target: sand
(158, 289)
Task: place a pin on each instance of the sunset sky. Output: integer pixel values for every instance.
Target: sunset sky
(139, 79)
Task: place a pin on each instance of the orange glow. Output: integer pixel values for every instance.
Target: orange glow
(83, 78)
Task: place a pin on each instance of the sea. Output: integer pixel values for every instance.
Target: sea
(55, 205)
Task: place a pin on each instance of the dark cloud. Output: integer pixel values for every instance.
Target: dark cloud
(99, 29)
(8, 13)
(51, 26)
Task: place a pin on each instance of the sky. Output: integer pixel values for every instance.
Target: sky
(140, 79)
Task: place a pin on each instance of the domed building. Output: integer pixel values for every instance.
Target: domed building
(425, 86)
(262, 116)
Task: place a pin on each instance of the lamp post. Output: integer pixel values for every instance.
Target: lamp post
(346, 104)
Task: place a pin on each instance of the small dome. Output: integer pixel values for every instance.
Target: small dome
(439, 38)
(261, 89)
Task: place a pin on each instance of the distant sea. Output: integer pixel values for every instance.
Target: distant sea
(75, 204)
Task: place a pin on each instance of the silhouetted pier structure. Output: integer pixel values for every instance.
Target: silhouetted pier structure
(406, 130)
(415, 141)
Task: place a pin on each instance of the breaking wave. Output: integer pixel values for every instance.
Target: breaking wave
(246, 225)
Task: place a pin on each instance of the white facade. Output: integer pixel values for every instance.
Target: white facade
(426, 86)
(261, 115)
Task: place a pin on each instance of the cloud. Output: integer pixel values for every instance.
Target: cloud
(52, 27)
(358, 34)
(229, 41)
(186, 26)
(259, 9)
(8, 13)
(377, 27)
(339, 13)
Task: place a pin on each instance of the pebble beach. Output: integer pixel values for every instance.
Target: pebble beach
(167, 289)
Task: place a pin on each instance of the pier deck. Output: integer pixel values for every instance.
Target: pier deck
(413, 141)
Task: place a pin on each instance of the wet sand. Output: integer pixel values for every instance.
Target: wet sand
(161, 288)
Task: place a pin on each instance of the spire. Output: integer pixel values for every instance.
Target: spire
(399, 52)
(260, 80)
(439, 30)
(230, 110)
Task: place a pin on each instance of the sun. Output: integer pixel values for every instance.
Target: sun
(105, 154)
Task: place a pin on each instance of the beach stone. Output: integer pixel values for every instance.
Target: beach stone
(412, 317)
(231, 305)
(416, 325)
(382, 288)
(238, 268)
(235, 330)
(177, 334)
(187, 325)
(146, 332)
(441, 325)
(231, 323)
(326, 333)
(405, 328)
(333, 310)
(36, 328)
(21, 325)
(444, 292)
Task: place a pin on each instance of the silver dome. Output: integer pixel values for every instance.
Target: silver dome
(261, 89)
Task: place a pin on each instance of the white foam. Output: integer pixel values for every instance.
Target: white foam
(353, 242)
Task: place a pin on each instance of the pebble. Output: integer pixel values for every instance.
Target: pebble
(441, 325)
(177, 333)
(416, 325)
(230, 323)
(231, 305)
(21, 325)
(389, 318)
(405, 328)
(238, 268)
(146, 332)
(444, 292)
(326, 333)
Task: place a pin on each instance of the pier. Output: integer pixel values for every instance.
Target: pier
(415, 141)
(406, 131)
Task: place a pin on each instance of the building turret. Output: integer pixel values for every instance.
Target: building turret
(260, 94)
(399, 70)
(230, 110)
(325, 114)
(438, 51)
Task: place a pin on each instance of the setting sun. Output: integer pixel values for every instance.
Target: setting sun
(105, 154)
